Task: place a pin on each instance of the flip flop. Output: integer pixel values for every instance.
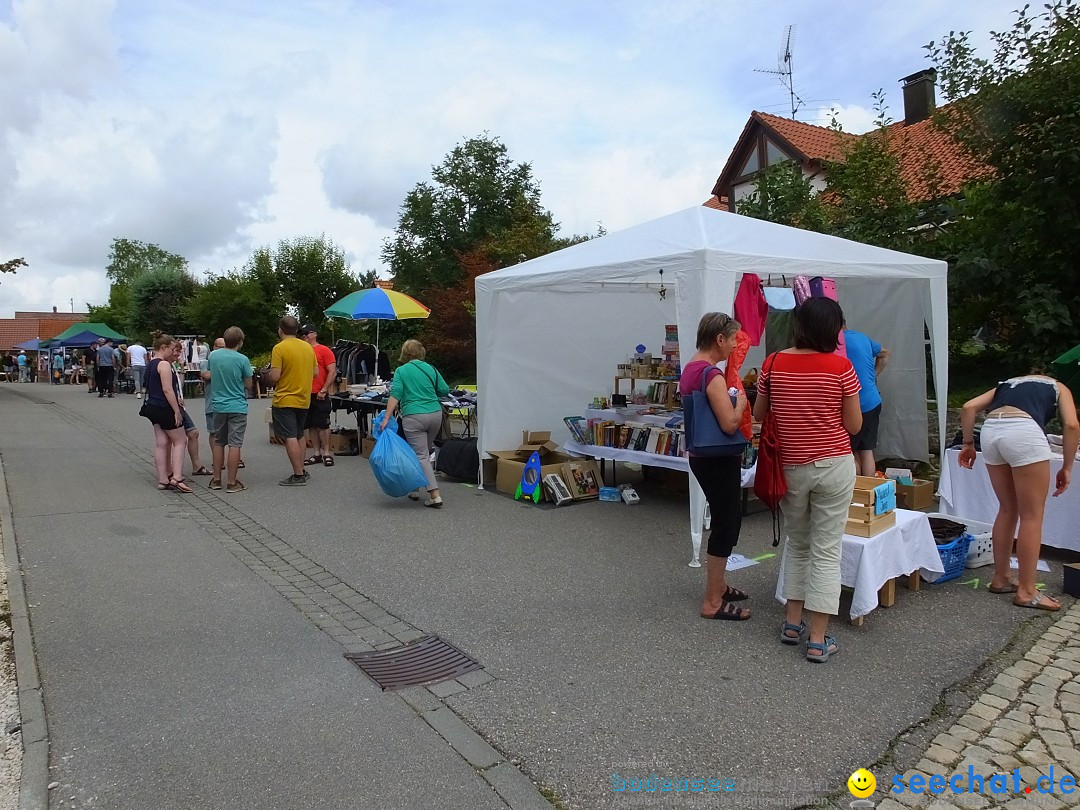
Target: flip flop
(181, 487)
(310, 462)
(241, 465)
(735, 595)
(729, 612)
(202, 471)
(1010, 588)
(1037, 603)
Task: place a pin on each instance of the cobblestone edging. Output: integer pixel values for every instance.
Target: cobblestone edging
(349, 617)
(1028, 720)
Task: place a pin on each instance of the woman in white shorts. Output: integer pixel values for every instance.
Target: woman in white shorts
(1017, 457)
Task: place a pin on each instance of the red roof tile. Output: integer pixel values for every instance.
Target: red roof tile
(817, 143)
(918, 145)
(715, 202)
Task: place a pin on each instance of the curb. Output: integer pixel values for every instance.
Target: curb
(34, 780)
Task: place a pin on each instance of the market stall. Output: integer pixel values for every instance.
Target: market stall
(550, 330)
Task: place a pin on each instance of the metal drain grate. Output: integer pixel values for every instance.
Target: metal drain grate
(426, 660)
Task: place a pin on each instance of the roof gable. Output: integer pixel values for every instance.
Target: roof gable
(916, 145)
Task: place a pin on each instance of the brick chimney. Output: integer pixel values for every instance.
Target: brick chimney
(919, 97)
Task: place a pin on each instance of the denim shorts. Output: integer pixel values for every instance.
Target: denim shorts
(189, 425)
(1015, 441)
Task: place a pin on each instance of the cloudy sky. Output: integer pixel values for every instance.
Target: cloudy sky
(211, 127)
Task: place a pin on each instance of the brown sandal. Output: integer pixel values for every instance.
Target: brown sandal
(180, 486)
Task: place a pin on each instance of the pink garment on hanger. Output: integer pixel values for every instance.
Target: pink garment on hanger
(751, 308)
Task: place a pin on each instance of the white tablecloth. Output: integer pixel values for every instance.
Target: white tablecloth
(867, 563)
(968, 494)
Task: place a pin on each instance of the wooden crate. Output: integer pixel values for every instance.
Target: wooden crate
(862, 521)
(864, 528)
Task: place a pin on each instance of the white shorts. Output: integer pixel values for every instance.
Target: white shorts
(1016, 442)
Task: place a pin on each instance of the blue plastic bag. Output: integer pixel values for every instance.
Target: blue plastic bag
(393, 462)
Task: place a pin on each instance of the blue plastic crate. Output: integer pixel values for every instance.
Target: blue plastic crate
(953, 557)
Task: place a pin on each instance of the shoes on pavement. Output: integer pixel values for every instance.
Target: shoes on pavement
(237, 487)
(215, 483)
(293, 481)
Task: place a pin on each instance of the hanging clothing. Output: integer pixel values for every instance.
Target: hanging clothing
(733, 377)
(751, 308)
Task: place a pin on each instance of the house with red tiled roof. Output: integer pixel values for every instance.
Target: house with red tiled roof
(917, 142)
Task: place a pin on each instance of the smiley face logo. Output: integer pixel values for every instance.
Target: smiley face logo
(861, 783)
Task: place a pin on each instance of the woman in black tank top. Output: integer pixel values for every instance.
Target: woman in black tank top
(1017, 458)
(162, 408)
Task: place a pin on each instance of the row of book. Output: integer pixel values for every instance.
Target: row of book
(638, 436)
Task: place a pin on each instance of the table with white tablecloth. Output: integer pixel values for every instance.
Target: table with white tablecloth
(869, 563)
(968, 494)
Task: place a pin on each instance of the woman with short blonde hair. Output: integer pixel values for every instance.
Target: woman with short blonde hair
(416, 389)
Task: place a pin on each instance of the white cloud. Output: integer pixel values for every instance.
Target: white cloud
(212, 128)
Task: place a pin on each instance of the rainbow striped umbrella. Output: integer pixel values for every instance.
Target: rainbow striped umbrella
(379, 305)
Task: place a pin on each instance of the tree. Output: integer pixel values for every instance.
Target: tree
(477, 196)
(130, 258)
(306, 274)
(1017, 240)
(235, 299)
(158, 298)
(785, 195)
(12, 265)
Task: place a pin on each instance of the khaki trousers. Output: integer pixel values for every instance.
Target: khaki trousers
(815, 512)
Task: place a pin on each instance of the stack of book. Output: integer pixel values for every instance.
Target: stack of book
(639, 436)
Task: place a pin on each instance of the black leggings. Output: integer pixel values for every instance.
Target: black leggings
(721, 479)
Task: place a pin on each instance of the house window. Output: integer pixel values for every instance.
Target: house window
(773, 154)
(753, 163)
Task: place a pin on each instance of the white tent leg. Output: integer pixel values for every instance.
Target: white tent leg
(698, 505)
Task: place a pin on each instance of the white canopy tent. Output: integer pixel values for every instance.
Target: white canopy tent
(549, 332)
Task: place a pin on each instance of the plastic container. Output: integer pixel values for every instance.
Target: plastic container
(953, 558)
(981, 549)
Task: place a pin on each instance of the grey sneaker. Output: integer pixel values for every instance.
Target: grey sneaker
(294, 481)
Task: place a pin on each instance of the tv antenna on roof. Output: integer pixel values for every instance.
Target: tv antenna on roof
(784, 71)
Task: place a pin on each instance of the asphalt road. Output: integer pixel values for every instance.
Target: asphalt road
(175, 677)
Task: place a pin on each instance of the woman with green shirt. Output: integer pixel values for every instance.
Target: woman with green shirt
(416, 390)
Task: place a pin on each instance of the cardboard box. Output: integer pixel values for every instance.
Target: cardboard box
(917, 495)
(344, 443)
(1071, 575)
(536, 441)
(510, 467)
(367, 444)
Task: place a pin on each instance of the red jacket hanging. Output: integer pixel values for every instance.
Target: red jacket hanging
(734, 379)
(751, 308)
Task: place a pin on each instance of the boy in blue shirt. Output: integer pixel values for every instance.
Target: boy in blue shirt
(869, 359)
(230, 373)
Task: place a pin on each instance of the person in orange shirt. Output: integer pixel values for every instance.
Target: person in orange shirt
(318, 415)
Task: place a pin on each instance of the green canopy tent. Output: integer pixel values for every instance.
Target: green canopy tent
(81, 335)
(1067, 369)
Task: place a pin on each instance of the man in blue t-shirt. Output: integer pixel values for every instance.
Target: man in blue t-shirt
(869, 359)
(230, 376)
(24, 367)
(106, 358)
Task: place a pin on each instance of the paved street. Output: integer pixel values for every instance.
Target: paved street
(191, 647)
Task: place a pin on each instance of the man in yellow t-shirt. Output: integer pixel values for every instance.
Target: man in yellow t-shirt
(292, 367)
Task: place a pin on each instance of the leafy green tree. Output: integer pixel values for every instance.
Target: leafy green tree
(305, 275)
(235, 299)
(158, 298)
(12, 265)
(130, 258)
(476, 196)
(785, 195)
(1016, 242)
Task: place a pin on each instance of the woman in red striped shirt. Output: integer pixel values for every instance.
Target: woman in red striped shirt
(814, 396)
